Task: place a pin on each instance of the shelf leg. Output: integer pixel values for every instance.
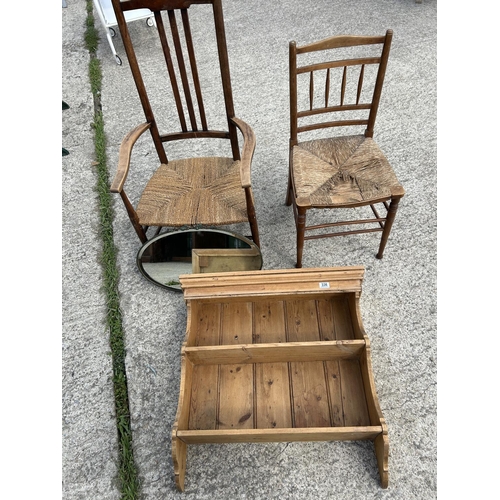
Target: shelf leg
(179, 455)
(382, 454)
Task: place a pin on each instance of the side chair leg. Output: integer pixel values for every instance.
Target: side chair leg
(301, 227)
(391, 215)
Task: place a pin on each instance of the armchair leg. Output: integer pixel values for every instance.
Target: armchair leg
(301, 227)
(289, 193)
(252, 217)
(391, 215)
(255, 232)
(133, 218)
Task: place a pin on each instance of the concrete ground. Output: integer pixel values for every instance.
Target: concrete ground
(398, 303)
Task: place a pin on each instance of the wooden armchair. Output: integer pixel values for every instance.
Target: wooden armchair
(193, 191)
(345, 171)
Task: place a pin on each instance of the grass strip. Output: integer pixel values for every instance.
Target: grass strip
(128, 478)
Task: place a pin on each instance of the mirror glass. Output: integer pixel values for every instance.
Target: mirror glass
(163, 258)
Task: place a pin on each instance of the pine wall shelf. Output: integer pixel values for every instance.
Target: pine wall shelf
(276, 355)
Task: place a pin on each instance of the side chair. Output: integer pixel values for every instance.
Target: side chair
(347, 170)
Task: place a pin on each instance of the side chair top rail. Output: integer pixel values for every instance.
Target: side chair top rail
(339, 41)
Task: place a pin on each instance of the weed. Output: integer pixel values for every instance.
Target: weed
(129, 482)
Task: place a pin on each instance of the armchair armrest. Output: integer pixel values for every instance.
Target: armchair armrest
(124, 156)
(246, 152)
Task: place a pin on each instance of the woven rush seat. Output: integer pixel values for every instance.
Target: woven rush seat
(342, 171)
(194, 191)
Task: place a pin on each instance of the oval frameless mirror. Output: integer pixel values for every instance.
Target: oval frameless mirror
(163, 258)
